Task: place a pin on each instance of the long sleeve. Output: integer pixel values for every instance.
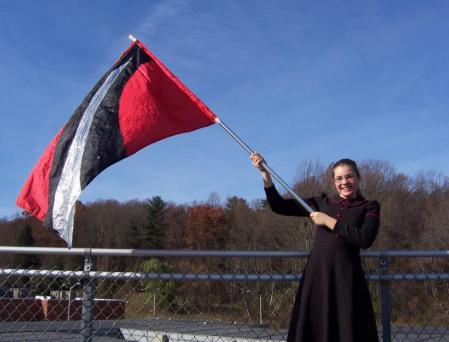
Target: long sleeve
(364, 235)
(283, 206)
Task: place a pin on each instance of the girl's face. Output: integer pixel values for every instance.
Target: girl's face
(346, 181)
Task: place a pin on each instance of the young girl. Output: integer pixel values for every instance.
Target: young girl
(333, 303)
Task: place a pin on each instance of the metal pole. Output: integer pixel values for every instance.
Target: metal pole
(87, 315)
(385, 299)
(68, 306)
(273, 174)
(70, 299)
(154, 303)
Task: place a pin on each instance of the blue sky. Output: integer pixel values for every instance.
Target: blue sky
(296, 80)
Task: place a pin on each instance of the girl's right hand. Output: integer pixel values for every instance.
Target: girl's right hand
(257, 161)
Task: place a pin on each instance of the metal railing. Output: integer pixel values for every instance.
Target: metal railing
(189, 295)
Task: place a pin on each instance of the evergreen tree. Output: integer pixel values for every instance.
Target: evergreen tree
(235, 203)
(153, 232)
(161, 292)
(132, 235)
(25, 239)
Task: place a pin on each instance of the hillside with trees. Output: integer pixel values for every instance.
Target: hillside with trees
(414, 215)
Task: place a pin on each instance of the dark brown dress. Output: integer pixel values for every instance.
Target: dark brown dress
(333, 303)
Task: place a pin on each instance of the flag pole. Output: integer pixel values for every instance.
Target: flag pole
(273, 174)
(250, 151)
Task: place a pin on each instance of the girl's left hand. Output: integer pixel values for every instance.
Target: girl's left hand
(322, 219)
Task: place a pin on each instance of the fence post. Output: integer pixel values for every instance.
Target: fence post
(87, 315)
(385, 299)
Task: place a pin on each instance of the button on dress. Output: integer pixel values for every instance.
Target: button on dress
(333, 302)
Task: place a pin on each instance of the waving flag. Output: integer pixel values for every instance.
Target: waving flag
(136, 103)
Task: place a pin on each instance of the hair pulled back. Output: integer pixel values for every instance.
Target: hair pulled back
(346, 162)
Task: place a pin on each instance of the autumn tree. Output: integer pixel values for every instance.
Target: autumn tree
(435, 209)
(175, 220)
(240, 221)
(311, 179)
(100, 224)
(205, 227)
(136, 218)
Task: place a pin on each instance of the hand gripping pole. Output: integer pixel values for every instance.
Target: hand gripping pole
(273, 174)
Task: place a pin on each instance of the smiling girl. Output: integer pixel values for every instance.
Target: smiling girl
(333, 303)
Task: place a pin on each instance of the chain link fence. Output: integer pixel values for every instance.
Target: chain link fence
(54, 294)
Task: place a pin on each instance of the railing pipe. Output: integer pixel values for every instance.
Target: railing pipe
(206, 253)
(78, 275)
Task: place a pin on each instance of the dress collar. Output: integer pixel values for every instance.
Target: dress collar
(350, 202)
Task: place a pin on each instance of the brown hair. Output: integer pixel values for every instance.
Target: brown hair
(346, 162)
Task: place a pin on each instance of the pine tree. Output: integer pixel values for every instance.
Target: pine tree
(132, 235)
(235, 203)
(25, 239)
(161, 292)
(153, 233)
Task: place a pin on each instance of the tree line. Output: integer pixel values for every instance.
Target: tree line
(414, 215)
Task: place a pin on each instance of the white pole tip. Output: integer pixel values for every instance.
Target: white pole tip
(132, 38)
